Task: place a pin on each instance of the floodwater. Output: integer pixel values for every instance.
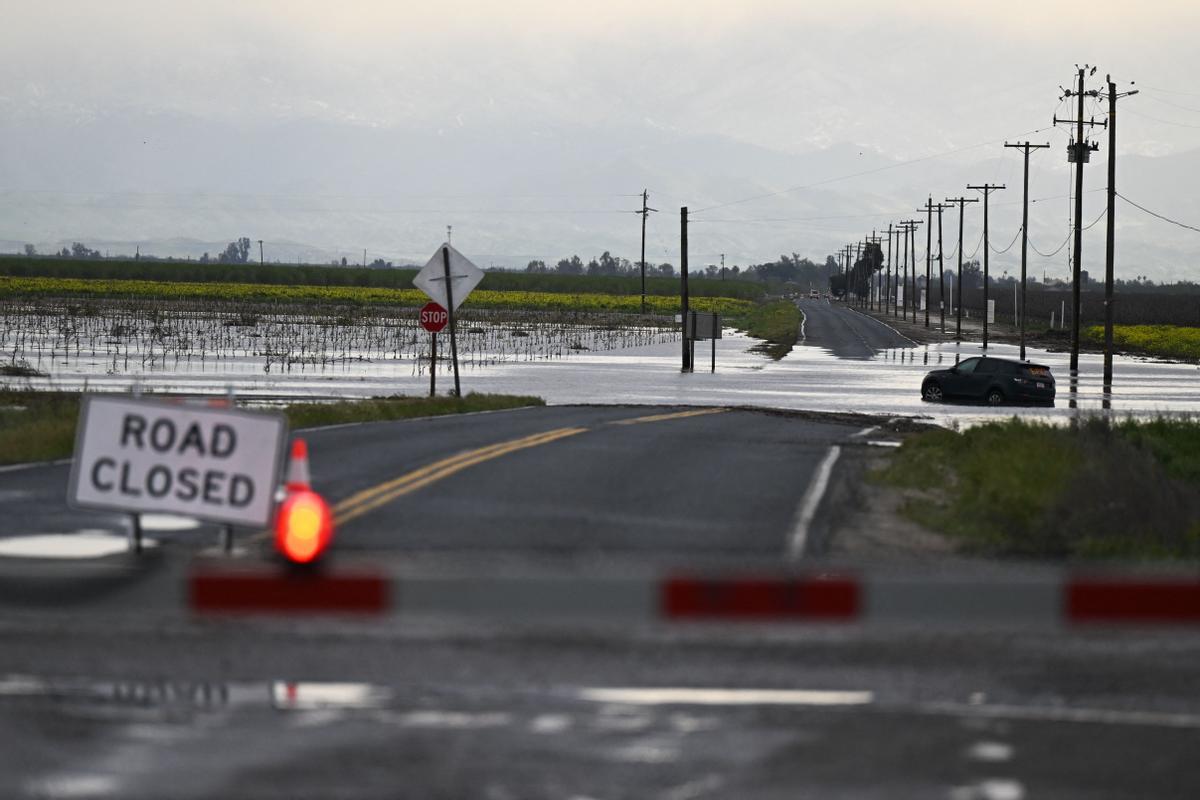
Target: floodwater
(807, 379)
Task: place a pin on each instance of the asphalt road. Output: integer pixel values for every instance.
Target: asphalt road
(142, 705)
(846, 333)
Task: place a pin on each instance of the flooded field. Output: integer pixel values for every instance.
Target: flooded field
(144, 342)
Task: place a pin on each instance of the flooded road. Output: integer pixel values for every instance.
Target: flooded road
(847, 362)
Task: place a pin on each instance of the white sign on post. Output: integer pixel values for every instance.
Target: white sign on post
(432, 278)
(991, 312)
(215, 464)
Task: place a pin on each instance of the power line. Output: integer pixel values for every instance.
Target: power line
(1159, 216)
(860, 174)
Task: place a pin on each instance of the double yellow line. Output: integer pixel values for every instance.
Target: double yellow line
(381, 494)
(369, 499)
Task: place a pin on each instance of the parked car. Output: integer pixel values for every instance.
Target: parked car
(993, 380)
(813, 294)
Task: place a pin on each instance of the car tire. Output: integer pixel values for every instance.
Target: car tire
(932, 392)
(995, 396)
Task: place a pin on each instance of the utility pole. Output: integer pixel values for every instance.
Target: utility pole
(260, 253)
(873, 287)
(722, 266)
(645, 212)
(1025, 147)
(941, 269)
(930, 207)
(887, 299)
(1079, 152)
(683, 285)
(1110, 234)
(928, 256)
(909, 281)
(987, 189)
(449, 230)
(962, 201)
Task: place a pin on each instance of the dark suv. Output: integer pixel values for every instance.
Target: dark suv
(993, 380)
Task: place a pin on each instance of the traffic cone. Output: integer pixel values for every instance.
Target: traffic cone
(297, 475)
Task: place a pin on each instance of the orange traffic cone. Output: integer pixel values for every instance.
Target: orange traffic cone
(297, 475)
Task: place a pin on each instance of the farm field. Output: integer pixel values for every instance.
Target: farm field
(11, 287)
(1165, 341)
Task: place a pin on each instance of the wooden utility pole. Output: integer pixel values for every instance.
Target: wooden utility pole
(873, 286)
(909, 227)
(1079, 152)
(941, 269)
(887, 299)
(987, 189)
(929, 208)
(1025, 147)
(1110, 233)
(683, 286)
(645, 212)
(962, 202)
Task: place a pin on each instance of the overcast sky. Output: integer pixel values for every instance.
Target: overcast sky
(894, 80)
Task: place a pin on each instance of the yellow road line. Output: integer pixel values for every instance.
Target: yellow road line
(677, 415)
(370, 499)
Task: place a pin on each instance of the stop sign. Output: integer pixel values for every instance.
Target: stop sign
(433, 317)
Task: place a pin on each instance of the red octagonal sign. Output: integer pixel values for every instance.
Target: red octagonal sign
(433, 317)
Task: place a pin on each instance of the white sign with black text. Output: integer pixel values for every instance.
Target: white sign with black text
(215, 464)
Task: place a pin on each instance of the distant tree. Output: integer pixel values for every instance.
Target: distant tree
(536, 266)
(30, 250)
(238, 252)
(80, 250)
(205, 259)
(569, 266)
(664, 270)
(343, 261)
(379, 263)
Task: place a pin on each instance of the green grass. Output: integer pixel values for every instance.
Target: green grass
(310, 415)
(392, 278)
(778, 322)
(40, 426)
(1165, 341)
(1027, 489)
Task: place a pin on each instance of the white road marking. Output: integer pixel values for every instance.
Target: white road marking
(550, 723)
(168, 522)
(809, 504)
(865, 432)
(82, 544)
(993, 789)
(73, 786)
(337, 425)
(991, 752)
(727, 697)
(1161, 719)
(32, 464)
(882, 443)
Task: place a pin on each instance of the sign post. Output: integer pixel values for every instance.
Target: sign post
(433, 319)
(447, 279)
(215, 464)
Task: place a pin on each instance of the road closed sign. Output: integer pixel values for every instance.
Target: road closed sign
(215, 464)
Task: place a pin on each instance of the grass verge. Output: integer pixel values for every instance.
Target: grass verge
(1164, 341)
(40, 426)
(778, 322)
(1092, 490)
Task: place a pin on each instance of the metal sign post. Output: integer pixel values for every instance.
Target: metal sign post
(433, 319)
(450, 309)
(447, 279)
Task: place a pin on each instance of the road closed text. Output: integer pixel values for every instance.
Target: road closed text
(208, 463)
